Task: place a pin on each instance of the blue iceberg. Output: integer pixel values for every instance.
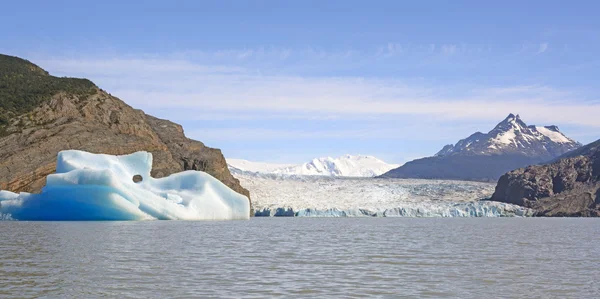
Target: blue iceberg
(90, 186)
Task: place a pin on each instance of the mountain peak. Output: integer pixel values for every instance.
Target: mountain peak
(511, 118)
(513, 136)
(510, 123)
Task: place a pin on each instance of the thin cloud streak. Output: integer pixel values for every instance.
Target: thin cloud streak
(408, 132)
(227, 90)
(543, 48)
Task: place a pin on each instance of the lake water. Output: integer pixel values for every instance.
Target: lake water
(303, 257)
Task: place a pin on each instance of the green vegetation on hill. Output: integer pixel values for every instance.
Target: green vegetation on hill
(24, 85)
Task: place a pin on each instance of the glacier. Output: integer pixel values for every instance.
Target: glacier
(317, 196)
(90, 186)
(425, 209)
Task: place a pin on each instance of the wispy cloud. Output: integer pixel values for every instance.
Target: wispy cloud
(368, 131)
(391, 49)
(249, 102)
(449, 49)
(543, 47)
(226, 91)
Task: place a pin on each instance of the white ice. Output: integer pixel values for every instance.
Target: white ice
(100, 187)
(313, 196)
(344, 166)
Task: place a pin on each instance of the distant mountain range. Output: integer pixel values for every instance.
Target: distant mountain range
(486, 156)
(344, 166)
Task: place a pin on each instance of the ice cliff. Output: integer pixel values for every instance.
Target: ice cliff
(317, 196)
(101, 187)
(424, 209)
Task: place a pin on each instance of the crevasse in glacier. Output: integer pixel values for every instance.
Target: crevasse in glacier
(90, 186)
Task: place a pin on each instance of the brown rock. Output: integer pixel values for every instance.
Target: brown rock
(99, 123)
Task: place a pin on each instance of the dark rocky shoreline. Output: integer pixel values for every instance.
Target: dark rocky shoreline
(567, 187)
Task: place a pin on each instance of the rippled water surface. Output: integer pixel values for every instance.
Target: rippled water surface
(381, 257)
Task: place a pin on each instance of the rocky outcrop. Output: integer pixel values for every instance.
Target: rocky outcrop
(583, 201)
(97, 122)
(567, 187)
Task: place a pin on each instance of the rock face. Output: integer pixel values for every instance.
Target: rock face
(97, 122)
(486, 156)
(567, 187)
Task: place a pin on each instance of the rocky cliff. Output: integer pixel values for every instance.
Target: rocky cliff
(41, 115)
(570, 186)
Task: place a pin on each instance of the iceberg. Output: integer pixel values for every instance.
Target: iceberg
(90, 186)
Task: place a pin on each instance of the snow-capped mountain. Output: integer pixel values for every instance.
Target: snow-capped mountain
(348, 166)
(344, 166)
(510, 145)
(512, 136)
(250, 166)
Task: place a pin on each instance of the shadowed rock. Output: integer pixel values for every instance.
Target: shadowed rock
(567, 187)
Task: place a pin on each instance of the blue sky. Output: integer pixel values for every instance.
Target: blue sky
(286, 81)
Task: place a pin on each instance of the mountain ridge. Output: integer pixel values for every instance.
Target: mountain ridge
(343, 166)
(513, 135)
(509, 145)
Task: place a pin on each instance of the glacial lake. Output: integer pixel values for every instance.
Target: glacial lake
(303, 257)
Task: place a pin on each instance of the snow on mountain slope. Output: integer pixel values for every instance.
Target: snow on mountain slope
(347, 166)
(509, 145)
(245, 165)
(344, 166)
(554, 135)
(513, 136)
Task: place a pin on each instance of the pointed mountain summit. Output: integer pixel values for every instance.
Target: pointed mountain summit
(485, 156)
(514, 136)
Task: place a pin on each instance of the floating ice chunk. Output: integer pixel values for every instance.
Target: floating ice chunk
(101, 187)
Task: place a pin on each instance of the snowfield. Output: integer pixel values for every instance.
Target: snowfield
(314, 196)
(344, 166)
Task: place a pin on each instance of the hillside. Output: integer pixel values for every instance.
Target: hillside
(44, 115)
(24, 86)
